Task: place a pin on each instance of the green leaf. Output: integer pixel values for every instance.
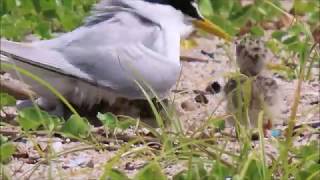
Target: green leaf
(67, 18)
(32, 118)
(26, 7)
(197, 171)
(125, 123)
(206, 7)
(242, 12)
(302, 6)
(220, 171)
(151, 171)
(47, 5)
(3, 139)
(43, 29)
(6, 100)
(6, 151)
(255, 169)
(279, 34)
(257, 31)
(290, 39)
(226, 25)
(68, 4)
(116, 174)
(218, 123)
(7, 6)
(108, 120)
(76, 127)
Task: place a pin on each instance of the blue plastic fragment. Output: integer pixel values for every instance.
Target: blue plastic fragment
(275, 132)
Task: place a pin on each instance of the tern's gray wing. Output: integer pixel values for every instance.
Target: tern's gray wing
(124, 48)
(22, 53)
(114, 52)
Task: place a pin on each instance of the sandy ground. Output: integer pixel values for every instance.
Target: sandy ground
(88, 163)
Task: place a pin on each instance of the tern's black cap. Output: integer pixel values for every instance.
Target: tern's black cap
(188, 7)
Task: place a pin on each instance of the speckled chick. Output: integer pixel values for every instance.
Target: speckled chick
(254, 91)
(251, 55)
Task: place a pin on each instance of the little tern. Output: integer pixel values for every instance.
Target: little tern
(119, 44)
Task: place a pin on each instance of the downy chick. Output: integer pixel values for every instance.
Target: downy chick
(250, 93)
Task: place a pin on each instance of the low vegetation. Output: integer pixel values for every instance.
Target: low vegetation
(294, 38)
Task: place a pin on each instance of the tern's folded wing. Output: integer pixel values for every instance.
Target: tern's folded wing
(46, 59)
(111, 54)
(115, 51)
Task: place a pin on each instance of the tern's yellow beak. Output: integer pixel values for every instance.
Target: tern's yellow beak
(211, 28)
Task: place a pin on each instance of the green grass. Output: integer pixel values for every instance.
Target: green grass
(204, 158)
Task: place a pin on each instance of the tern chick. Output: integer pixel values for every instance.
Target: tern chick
(251, 56)
(251, 92)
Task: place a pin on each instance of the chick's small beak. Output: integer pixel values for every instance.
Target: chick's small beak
(211, 28)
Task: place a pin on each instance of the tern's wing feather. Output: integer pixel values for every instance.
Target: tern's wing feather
(42, 58)
(114, 51)
(111, 53)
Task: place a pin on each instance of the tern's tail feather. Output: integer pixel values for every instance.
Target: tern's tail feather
(27, 55)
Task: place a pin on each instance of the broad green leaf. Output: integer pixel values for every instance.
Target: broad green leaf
(6, 100)
(6, 151)
(108, 120)
(116, 174)
(68, 4)
(125, 123)
(47, 5)
(206, 7)
(76, 127)
(226, 25)
(43, 29)
(33, 118)
(67, 18)
(150, 171)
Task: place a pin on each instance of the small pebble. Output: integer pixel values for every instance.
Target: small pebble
(201, 98)
(57, 147)
(214, 87)
(209, 54)
(188, 105)
(130, 166)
